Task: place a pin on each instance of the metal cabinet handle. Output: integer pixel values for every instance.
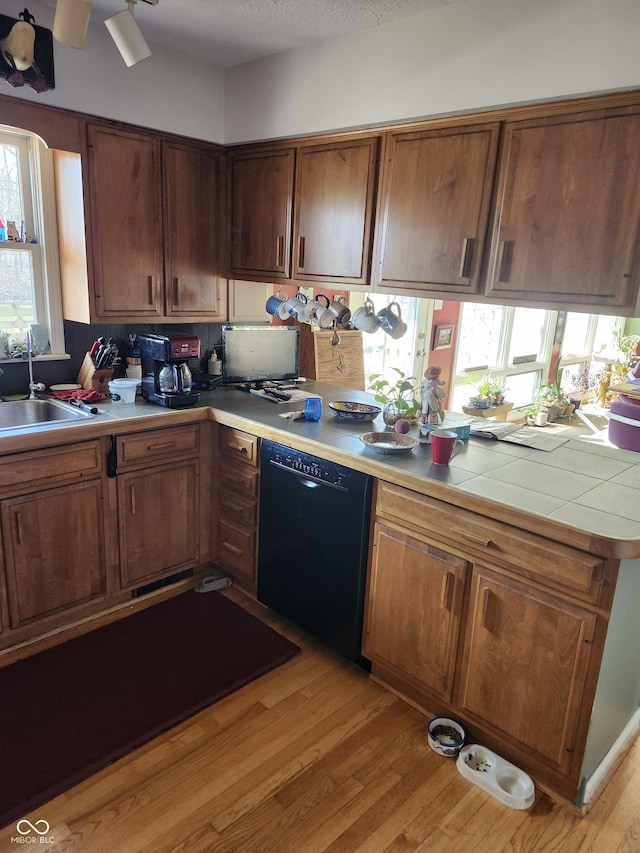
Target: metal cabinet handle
(486, 594)
(132, 498)
(176, 291)
(232, 548)
(280, 251)
(301, 247)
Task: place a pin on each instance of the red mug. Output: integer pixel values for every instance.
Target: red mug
(444, 445)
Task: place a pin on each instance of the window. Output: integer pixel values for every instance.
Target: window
(29, 269)
(512, 344)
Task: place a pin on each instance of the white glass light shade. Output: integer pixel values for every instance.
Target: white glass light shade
(71, 22)
(128, 38)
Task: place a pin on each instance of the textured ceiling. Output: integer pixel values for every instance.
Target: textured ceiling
(227, 32)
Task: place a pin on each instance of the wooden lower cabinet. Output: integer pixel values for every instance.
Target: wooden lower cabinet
(237, 526)
(158, 522)
(511, 657)
(524, 665)
(414, 609)
(54, 551)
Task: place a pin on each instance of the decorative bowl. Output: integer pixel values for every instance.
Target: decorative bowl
(350, 411)
(389, 442)
(446, 736)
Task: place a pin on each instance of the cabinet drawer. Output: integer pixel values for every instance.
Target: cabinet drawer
(242, 509)
(157, 444)
(75, 460)
(237, 547)
(239, 445)
(559, 566)
(239, 478)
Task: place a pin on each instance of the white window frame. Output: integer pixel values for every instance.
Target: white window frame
(39, 205)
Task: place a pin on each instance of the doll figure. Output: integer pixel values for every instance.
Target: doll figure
(432, 396)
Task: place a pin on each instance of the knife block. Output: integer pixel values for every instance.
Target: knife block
(92, 379)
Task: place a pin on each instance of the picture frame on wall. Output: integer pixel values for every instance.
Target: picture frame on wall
(443, 336)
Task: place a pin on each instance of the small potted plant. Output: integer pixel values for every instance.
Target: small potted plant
(553, 399)
(400, 399)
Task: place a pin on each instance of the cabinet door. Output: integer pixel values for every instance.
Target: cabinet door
(157, 513)
(54, 550)
(435, 208)
(194, 287)
(414, 600)
(261, 209)
(568, 211)
(126, 224)
(524, 666)
(335, 186)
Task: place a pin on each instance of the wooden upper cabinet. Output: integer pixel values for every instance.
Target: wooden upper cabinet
(567, 220)
(333, 211)
(192, 232)
(434, 208)
(126, 224)
(261, 197)
(155, 229)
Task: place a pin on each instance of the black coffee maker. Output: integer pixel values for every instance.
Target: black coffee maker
(166, 378)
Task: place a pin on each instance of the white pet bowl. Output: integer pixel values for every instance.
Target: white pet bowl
(445, 736)
(498, 777)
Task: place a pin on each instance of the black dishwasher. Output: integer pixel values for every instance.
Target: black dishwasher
(312, 555)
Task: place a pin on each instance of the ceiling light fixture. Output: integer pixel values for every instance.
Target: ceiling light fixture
(71, 22)
(127, 35)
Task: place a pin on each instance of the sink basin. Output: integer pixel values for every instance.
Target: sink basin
(19, 414)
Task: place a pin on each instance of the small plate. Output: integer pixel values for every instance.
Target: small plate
(389, 442)
(350, 411)
(68, 387)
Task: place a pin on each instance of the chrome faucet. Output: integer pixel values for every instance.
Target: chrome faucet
(33, 386)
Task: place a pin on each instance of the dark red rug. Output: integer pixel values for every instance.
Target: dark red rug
(67, 712)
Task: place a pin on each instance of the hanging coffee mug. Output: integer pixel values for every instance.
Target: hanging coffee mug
(275, 304)
(294, 305)
(323, 316)
(340, 310)
(365, 319)
(391, 321)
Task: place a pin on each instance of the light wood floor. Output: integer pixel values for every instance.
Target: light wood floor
(315, 757)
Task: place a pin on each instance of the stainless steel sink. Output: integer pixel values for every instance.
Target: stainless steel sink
(19, 414)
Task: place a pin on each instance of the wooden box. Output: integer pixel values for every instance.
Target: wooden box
(341, 365)
(92, 379)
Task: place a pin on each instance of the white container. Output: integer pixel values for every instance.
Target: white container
(504, 781)
(123, 390)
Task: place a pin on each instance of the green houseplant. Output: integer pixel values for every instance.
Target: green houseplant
(401, 399)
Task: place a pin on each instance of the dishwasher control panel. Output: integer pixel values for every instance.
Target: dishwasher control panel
(310, 466)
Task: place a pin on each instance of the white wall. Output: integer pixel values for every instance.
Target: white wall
(470, 55)
(168, 91)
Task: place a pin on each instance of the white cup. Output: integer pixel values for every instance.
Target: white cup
(340, 310)
(365, 319)
(294, 305)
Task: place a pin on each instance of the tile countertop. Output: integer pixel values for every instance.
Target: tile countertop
(584, 493)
